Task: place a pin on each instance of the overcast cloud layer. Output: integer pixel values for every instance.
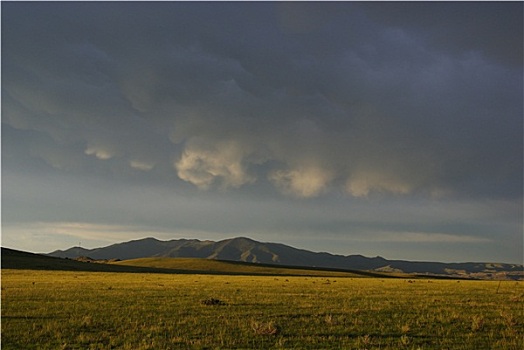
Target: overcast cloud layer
(390, 129)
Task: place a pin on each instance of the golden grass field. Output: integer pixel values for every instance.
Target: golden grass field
(117, 310)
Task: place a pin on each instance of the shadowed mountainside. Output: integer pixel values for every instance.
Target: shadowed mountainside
(247, 250)
(14, 259)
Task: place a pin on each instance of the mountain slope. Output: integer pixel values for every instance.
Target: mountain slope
(129, 250)
(248, 250)
(19, 260)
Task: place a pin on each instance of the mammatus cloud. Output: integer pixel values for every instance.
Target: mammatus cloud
(204, 164)
(100, 153)
(307, 104)
(302, 181)
(361, 184)
(141, 165)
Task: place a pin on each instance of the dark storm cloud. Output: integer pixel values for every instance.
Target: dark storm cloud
(273, 101)
(364, 96)
(459, 27)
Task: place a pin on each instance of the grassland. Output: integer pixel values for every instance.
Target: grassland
(107, 310)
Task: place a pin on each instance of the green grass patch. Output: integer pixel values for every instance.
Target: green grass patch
(105, 310)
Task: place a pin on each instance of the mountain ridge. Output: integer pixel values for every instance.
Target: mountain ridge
(248, 250)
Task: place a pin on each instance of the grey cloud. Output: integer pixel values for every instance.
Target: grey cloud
(494, 31)
(313, 98)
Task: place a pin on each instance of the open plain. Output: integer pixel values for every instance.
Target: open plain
(44, 309)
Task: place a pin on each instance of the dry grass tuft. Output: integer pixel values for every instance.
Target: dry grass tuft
(477, 322)
(265, 328)
(404, 329)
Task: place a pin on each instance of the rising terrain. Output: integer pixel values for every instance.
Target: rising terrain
(243, 249)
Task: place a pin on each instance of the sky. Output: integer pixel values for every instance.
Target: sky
(382, 129)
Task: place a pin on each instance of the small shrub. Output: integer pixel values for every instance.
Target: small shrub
(213, 301)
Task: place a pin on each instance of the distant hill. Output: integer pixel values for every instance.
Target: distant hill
(243, 249)
(15, 259)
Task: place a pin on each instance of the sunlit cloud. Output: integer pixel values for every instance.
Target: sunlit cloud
(88, 235)
(141, 165)
(361, 184)
(102, 154)
(108, 232)
(203, 163)
(307, 181)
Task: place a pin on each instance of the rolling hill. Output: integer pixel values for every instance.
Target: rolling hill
(243, 249)
(210, 266)
(15, 259)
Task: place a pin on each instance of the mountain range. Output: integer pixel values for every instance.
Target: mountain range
(248, 250)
